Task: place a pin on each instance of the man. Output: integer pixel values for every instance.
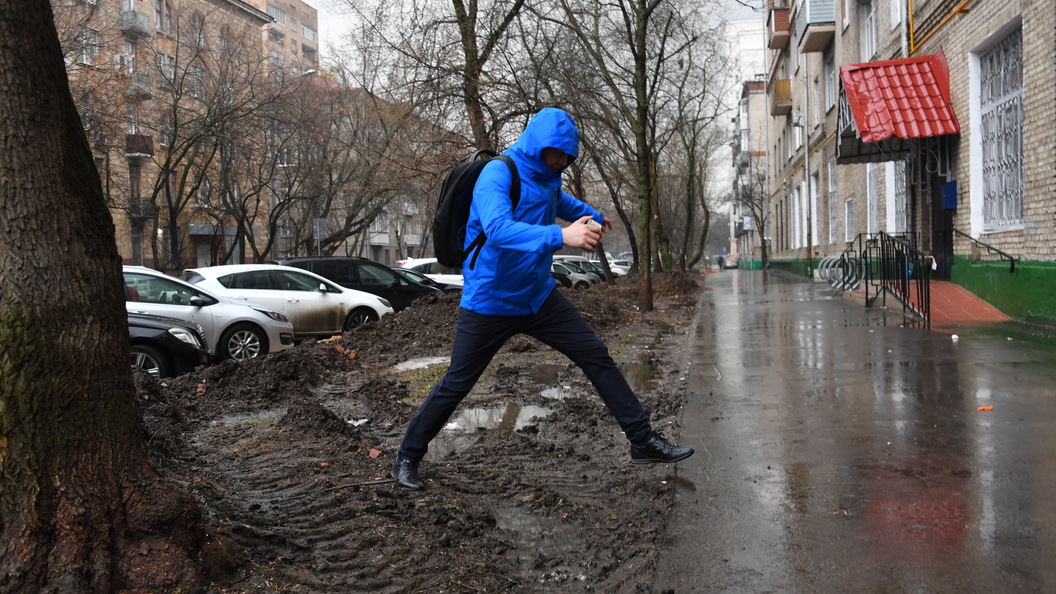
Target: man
(510, 291)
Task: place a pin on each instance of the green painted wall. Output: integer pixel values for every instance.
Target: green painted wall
(798, 267)
(1028, 294)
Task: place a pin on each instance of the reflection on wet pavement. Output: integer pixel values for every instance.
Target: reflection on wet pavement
(843, 452)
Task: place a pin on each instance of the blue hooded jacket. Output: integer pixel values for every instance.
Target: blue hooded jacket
(512, 273)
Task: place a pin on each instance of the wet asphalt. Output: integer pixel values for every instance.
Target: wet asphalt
(839, 451)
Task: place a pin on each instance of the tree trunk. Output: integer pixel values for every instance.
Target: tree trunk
(81, 510)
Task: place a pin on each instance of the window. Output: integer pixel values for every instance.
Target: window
(833, 217)
(815, 102)
(126, 62)
(166, 70)
(832, 88)
(165, 131)
(132, 119)
(293, 25)
(293, 46)
(812, 207)
(1001, 107)
(276, 58)
(196, 81)
(278, 14)
(89, 44)
(197, 30)
(226, 41)
(162, 16)
(898, 196)
(128, 5)
(276, 36)
(872, 197)
(308, 33)
(867, 29)
(848, 220)
(896, 13)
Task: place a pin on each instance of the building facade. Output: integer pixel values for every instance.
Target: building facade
(170, 94)
(928, 120)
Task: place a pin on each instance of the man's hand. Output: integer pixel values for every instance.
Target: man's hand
(583, 236)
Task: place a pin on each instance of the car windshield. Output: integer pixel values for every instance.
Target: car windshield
(146, 288)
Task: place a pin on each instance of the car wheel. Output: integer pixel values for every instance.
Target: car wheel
(149, 359)
(581, 285)
(360, 316)
(243, 341)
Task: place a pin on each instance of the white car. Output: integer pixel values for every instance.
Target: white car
(577, 279)
(316, 306)
(233, 330)
(434, 270)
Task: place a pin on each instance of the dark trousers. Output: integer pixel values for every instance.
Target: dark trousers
(478, 337)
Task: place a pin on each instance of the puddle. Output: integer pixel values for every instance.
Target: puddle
(538, 536)
(512, 416)
(460, 431)
(640, 376)
(422, 363)
(546, 375)
(560, 393)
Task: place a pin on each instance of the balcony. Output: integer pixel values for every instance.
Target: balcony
(135, 24)
(139, 86)
(139, 145)
(777, 28)
(815, 25)
(781, 98)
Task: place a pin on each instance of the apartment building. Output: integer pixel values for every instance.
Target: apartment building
(171, 95)
(928, 120)
(751, 205)
(292, 40)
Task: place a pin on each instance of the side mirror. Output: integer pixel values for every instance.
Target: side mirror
(323, 289)
(196, 301)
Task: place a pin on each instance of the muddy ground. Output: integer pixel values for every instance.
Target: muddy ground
(289, 458)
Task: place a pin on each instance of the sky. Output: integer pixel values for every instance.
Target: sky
(335, 19)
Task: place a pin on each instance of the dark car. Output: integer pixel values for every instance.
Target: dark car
(366, 275)
(418, 277)
(164, 347)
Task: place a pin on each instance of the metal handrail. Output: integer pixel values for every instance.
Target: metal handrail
(893, 266)
(991, 250)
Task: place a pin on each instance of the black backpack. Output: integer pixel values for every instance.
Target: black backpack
(452, 210)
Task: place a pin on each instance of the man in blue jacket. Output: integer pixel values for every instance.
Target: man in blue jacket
(510, 291)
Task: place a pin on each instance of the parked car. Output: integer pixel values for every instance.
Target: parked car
(578, 280)
(164, 347)
(730, 262)
(418, 277)
(233, 329)
(562, 279)
(364, 275)
(316, 307)
(595, 277)
(434, 270)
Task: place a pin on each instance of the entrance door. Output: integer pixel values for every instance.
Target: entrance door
(943, 207)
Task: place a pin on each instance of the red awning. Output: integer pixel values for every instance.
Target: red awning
(895, 99)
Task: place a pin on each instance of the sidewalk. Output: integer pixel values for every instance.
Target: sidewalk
(838, 451)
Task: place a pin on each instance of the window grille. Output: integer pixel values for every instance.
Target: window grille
(900, 192)
(833, 217)
(1001, 106)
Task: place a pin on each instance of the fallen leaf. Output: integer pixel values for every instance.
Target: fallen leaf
(201, 389)
(324, 465)
(374, 453)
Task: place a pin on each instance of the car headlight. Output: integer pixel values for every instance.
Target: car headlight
(186, 336)
(278, 316)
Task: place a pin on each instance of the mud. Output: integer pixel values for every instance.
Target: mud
(529, 488)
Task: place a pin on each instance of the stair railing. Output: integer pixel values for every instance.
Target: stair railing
(990, 249)
(894, 267)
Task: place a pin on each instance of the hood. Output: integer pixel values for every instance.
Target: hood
(551, 127)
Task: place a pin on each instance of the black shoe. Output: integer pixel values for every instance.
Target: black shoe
(405, 471)
(657, 450)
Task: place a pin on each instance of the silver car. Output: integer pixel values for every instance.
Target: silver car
(317, 307)
(233, 330)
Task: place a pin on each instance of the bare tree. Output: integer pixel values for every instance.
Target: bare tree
(80, 503)
(751, 192)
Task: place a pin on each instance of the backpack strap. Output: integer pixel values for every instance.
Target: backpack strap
(515, 197)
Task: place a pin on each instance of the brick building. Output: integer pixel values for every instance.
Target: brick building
(170, 95)
(928, 120)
